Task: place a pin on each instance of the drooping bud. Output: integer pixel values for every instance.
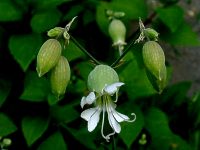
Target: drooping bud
(57, 31)
(60, 76)
(117, 32)
(48, 56)
(101, 76)
(154, 60)
(6, 142)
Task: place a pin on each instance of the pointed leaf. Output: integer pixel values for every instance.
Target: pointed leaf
(35, 89)
(33, 128)
(9, 12)
(6, 125)
(130, 130)
(171, 16)
(53, 142)
(184, 36)
(5, 87)
(24, 48)
(43, 21)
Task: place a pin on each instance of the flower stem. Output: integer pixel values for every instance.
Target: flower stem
(84, 50)
(123, 54)
(113, 143)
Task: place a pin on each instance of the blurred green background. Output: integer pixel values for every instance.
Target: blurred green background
(33, 119)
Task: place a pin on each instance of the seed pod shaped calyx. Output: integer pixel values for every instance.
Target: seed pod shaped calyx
(117, 32)
(154, 60)
(60, 76)
(101, 76)
(48, 56)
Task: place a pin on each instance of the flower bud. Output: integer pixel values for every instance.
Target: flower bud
(117, 32)
(55, 32)
(60, 76)
(151, 34)
(101, 76)
(7, 142)
(48, 56)
(154, 60)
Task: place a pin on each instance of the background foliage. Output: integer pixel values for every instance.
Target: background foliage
(32, 118)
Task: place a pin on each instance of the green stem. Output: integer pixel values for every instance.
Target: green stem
(149, 20)
(123, 54)
(84, 50)
(113, 143)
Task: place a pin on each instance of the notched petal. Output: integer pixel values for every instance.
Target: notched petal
(90, 98)
(111, 89)
(83, 101)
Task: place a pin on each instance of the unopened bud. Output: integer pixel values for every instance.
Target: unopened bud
(55, 32)
(101, 76)
(7, 142)
(60, 76)
(151, 34)
(48, 56)
(154, 60)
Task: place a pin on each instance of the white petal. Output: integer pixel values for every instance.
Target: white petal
(90, 98)
(92, 116)
(92, 123)
(83, 102)
(113, 123)
(111, 89)
(120, 117)
(86, 114)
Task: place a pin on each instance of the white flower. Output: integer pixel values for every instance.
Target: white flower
(104, 103)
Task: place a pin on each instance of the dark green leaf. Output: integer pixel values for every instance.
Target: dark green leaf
(5, 87)
(6, 125)
(74, 11)
(171, 16)
(184, 36)
(33, 128)
(132, 8)
(83, 136)
(53, 142)
(130, 130)
(162, 136)
(72, 52)
(64, 113)
(48, 3)
(43, 21)
(35, 89)
(135, 79)
(177, 93)
(24, 48)
(9, 12)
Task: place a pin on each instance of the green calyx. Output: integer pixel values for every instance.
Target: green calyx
(117, 32)
(48, 56)
(154, 60)
(60, 76)
(101, 76)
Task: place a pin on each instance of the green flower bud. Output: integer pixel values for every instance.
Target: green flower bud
(151, 34)
(153, 56)
(117, 32)
(7, 142)
(154, 60)
(100, 76)
(55, 32)
(60, 76)
(48, 56)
